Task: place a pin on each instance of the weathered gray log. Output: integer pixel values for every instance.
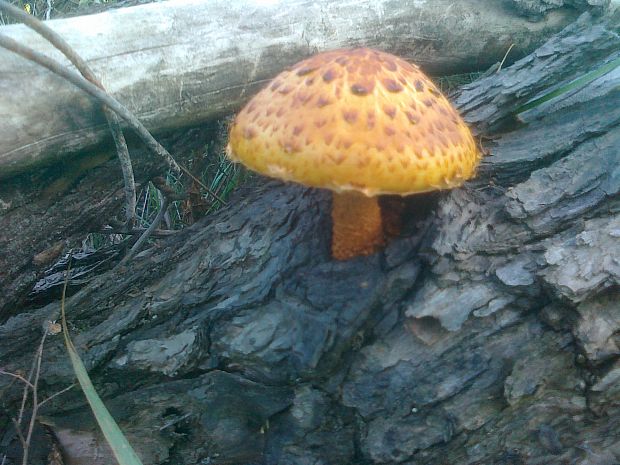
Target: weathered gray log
(177, 64)
(487, 333)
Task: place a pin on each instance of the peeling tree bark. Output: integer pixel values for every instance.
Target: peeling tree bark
(487, 333)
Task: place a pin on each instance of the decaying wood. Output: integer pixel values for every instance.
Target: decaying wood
(176, 64)
(487, 333)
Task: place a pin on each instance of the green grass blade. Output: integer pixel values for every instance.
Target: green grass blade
(124, 453)
(122, 450)
(579, 82)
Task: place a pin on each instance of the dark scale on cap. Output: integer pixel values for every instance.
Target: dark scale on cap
(350, 116)
(306, 70)
(320, 123)
(360, 89)
(389, 130)
(296, 101)
(290, 146)
(322, 101)
(428, 102)
(275, 85)
(303, 97)
(309, 81)
(297, 129)
(285, 90)
(390, 65)
(364, 160)
(342, 61)
(249, 132)
(419, 86)
(337, 158)
(352, 68)
(346, 143)
(391, 85)
(329, 75)
(389, 110)
(370, 119)
(413, 118)
(328, 138)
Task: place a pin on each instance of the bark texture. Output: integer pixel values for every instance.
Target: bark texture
(488, 333)
(178, 64)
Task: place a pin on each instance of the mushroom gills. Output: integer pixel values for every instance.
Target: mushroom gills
(357, 227)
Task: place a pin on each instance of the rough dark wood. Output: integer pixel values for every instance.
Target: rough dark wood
(486, 334)
(178, 64)
(46, 212)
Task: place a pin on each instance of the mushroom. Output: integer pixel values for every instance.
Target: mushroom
(361, 123)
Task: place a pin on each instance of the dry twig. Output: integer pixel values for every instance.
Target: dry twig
(31, 388)
(169, 196)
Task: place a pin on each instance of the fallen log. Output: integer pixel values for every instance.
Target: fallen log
(486, 333)
(178, 64)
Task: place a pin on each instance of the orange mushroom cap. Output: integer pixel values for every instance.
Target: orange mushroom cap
(355, 120)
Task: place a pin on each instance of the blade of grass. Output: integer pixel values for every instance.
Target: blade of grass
(579, 82)
(122, 450)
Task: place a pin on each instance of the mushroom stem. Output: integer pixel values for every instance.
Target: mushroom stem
(357, 227)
